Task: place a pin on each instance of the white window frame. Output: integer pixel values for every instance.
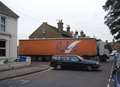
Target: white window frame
(2, 24)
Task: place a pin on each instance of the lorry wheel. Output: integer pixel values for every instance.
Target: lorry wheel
(89, 68)
(58, 67)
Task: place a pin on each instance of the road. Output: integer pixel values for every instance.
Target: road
(62, 78)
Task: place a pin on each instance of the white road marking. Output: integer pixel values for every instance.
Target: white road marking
(109, 80)
(108, 85)
(24, 81)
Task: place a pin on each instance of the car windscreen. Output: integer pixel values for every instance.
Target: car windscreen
(81, 58)
(74, 59)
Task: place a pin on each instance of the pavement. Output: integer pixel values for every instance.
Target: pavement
(33, 68)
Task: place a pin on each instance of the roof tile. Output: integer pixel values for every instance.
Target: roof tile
(48, 31)
(6, 11)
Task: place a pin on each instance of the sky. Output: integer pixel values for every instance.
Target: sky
(86, 15)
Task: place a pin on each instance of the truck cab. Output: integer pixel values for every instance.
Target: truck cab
(103, 51)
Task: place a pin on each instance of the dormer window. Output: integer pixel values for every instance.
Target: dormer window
(2, 23)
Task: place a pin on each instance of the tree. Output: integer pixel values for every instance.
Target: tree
(112, 19)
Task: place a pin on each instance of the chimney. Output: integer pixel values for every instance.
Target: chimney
(68, 28)
(76, 34)
(60, 25)
(82, 34)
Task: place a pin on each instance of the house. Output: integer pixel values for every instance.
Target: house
(48, 31)
(8, 32)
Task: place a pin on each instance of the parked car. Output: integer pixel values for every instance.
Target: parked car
(73, 62)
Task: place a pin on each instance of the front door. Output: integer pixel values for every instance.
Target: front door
(74, 62)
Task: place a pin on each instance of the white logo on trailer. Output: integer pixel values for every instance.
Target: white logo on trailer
(71, 46)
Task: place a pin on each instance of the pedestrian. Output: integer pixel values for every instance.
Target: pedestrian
(115, 56)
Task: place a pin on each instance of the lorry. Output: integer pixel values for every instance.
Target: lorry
(44, 49)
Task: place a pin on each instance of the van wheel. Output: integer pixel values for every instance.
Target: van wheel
(89, 68)
(58, 67)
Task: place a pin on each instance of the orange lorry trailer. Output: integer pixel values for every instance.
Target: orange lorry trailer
(48, 47)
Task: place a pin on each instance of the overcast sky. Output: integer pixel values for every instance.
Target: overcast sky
(86, 15)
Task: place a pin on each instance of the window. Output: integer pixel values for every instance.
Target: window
(2, 43)
(2, 23)
(2, 52)
(66, 58)
(2, 48)
(58, 58)
(74, 59)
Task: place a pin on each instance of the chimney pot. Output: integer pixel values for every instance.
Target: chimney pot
(68, 28)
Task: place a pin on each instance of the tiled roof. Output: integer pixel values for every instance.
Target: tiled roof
(48, 31)
(6, 11)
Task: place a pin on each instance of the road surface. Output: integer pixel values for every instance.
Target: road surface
(62, 78)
